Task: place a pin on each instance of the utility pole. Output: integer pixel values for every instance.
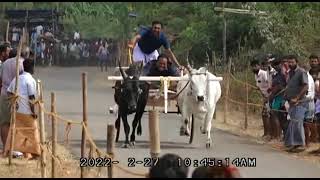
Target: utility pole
(224, 36)
(235, 11)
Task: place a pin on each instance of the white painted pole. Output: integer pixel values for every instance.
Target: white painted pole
(165, 86)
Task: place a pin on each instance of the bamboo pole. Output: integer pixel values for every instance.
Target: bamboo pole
(154, 133)
(14, 109)
(110, 146)
(7, 32)
(42, 131)
(85, 119)
(54, 135)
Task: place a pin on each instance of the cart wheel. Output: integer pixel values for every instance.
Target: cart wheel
(191, 129)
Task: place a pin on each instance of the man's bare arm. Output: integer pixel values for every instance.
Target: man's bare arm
(134, 40)
(32, 106)
(303, 91)
(173, 57)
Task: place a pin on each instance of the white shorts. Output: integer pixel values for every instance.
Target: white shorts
(139, 56)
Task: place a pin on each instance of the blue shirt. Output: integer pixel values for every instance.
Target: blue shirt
(149, 42)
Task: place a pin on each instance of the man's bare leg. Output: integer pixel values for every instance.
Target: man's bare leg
(4, 134)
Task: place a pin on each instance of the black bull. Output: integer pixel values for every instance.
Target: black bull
(131, 96)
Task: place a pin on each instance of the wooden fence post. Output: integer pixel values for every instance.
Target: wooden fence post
(154, 133)
(226, 98)
(85, 119)
(42, 131)
(54, 135)
(110, 146)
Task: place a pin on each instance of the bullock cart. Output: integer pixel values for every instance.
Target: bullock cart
(162, 99)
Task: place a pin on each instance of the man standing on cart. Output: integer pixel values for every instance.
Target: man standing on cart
(146, 43)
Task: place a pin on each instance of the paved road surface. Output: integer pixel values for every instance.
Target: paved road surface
(66, 83)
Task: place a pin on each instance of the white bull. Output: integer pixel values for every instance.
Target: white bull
(198, 98)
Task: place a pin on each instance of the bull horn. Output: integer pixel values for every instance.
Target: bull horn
(124, 75)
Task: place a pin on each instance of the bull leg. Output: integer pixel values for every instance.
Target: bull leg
(126, 130)
(134, 125)
(202, 123)
(184, 122)
(117, 125)
(208, 124)
(140, 112)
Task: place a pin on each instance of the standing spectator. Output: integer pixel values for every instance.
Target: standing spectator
(296, 95)
(39, 30)
(85, 54)
(309, 116)
(42, 48)
(314, 72)
(64, 51)
(168, 167)
(285, 68)
(15, 35)
(27, 141)
(262, 83)
(76, 36)
(7, 74)
(278, 119)
(103, 56)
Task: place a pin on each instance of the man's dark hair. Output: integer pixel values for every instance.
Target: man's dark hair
(168, 167)
(28, 65)
(3, 47)
(292, 57)
(313, 71)
(254, 62)
(313, 56)
(276, 62)
(13, 53)
(163, 56)
(156, 22)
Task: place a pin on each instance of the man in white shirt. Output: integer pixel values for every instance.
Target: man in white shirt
(262, 83)
(308, 121)
(26, 89)
(25, 117)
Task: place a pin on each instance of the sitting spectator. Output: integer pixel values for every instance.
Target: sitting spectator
(168, 167)
(216, 171)
(27, 140)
